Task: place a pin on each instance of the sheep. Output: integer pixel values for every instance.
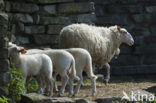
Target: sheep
(101, 42)
(83, 62)
(33, 65)
(62, 62)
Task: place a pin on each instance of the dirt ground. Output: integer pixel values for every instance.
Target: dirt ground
(116, 86)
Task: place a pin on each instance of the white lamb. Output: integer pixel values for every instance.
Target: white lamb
(33, 65)
(83, 62)
(101, 42)
(62, 62)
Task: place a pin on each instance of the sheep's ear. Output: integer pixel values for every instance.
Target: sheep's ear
(23, 51)
(118, 28)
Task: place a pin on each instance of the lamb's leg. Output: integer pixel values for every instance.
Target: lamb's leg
(108, 73)
(93, 86)
(79, 73)
(27, 81)
(55, 85)
(71, 86)
(40, 88)
(64, 78)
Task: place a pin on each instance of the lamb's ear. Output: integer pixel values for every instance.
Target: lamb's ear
(118, 28)
(23, 51)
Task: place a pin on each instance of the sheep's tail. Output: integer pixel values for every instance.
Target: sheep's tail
(73, 70)
(89, 69)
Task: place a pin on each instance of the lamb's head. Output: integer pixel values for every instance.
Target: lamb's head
(15, 50)
(123, 35)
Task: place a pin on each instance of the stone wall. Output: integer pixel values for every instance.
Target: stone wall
(4, 63)
(37, 23)
(138, 17)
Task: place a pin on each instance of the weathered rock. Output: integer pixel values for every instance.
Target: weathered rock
(4, 53)
(113, 19)
(3, 18)
(54, 20)
(24, 18)
(151, 9)
(108, 100)
(5, 78)
(4, 64)
(46, 39)
(76, 8)
(23, 40)
(133, 70)
(3, 90)
(86, 18)
(148, 59)
(124, 60)
(144, 18)
(80, 100)
(36, 18)
(49, 1)
(1, 4)
(153, 29)
(48, 10)
(54, 29)
(3, 42)
(37, 98)
(150, 39)
(22, 7)
(35, 29)
(139, 31)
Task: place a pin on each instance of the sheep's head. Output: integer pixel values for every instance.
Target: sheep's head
(15, 50)
(124, 35)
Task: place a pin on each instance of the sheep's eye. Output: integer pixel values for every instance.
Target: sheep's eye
(123, 32)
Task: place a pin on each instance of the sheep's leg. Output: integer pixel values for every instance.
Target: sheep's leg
(108, 73)
(93, 86)
(55, 85)
(27, 81)
(64, 78)
(71, 86)
(79, 73)
(40, 82)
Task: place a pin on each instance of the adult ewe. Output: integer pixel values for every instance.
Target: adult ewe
(33, 65)
(101, 42)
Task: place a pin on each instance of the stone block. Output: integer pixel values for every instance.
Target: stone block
(38, 98)
(21, 7)
(109, 100)
(125, 9)
(36, 18)
(134, 70)
(3, 42)
(86, 18)
(3, 19)
(24, 18)
(54, 29)
(3, 53)
(54, 20)
(140, 31)
(112, 20)
(151, 9)
(5, 78)
(35, 29)
(150, 39)
(23, 40)
(49, 1)
(153, 29)
(1, 4)
(4, 90)
(47, 10)
(46, 39)
(149, 59)
(123, 60)
(4, 65)
(76, 8)
(145, 18)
